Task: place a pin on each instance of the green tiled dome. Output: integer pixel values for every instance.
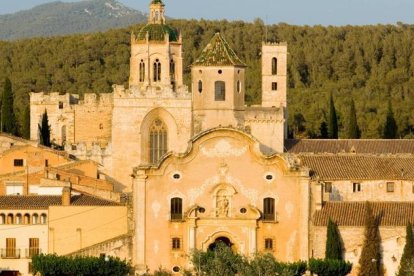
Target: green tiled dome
(157, 32)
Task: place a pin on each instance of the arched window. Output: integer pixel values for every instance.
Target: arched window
(2, 219)
(10, 219)
(43, 219)
(269, 209)
(26, 219)
(157, 70)
(176, 208)
(200, 86)
(220, 91)
(35, 219)
(158, 142)
(141, 71)
(18, 219)
(274, 66)
(172, 69)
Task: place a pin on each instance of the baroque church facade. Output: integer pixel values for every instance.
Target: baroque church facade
(203, 167)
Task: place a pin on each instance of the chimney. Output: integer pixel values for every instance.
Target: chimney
(66, 195)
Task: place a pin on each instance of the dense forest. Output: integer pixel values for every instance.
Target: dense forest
(370, 65)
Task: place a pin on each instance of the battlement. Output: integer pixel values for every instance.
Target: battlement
(47, 98)
(268, 43)
(151, 92)
(93, 99)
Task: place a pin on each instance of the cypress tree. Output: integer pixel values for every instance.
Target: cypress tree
(324, 130)
(8, 119)
(390, 127)
(44, 130)
(370, 260)
(332, 120)
(333, 248)
(26, 123)
(353, 128)
(408, 254)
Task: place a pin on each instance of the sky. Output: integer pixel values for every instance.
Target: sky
(297, 12)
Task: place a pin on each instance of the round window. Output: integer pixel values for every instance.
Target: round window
(220, 72)
(201, 210)
(176, 176)
(243, 210)
(269, 177)
(176, 269)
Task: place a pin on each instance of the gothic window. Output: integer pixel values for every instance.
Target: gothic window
(220, 91)
(274, 66)
(176, 208)
(269, 209)
(157, 141)
(157, 70)
(172, 69)
(200, 86)
(141, 71)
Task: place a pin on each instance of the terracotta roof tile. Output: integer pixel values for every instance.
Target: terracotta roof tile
(43, 202)
(353, 213)
(374, 146)
(359, 167)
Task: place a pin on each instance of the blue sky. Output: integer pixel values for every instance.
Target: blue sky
(300, 12)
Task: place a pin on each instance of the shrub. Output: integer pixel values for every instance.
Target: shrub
(329, 267)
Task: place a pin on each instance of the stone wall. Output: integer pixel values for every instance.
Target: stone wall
(393, 241)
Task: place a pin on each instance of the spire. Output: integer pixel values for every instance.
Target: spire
(218, 53)
(156, 14)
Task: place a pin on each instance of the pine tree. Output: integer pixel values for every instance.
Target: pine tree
(44, 130)
(332, 120)
(390, 127)
(26, 123)
(8, 119)
(370, 260)
(408, 255)
(353, 128)
(333, 248)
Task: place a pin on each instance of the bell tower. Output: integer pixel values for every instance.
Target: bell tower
(156, 53)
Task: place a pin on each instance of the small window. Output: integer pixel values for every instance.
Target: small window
(43, 219)
(18, 162)
(57, 176)
(176, 269)
(238, 86)
(141, 71)
(2, 219)
(100, 126)
(269, 209)
(172, 69)
(60, 105)
(74, 147)
(220, 91)
(200, 86)
(356, 187)
(176, 208)
(176, 244)
(274, 86)
(390, 187)
(46, 163)
(268, 244)
(328, 187)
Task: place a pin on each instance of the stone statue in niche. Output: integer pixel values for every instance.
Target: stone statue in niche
(222, 208)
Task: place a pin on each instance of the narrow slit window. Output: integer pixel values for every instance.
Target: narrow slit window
(274, 66)
(157, 70)
(141, 71)
(200, 86)
(172, 69)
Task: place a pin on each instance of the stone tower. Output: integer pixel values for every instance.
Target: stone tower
(274, 72)
(156, 53)
(218, 86)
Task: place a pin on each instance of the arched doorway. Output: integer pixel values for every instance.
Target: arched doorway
(220, 240)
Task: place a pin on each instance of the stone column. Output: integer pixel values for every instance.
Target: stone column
(139, 191)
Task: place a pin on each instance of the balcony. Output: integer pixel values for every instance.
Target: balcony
(31, 252)
(10, 253)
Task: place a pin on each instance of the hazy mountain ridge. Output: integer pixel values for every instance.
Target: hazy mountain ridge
(58, 18)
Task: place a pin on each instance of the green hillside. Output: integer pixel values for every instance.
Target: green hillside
(370, 64)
